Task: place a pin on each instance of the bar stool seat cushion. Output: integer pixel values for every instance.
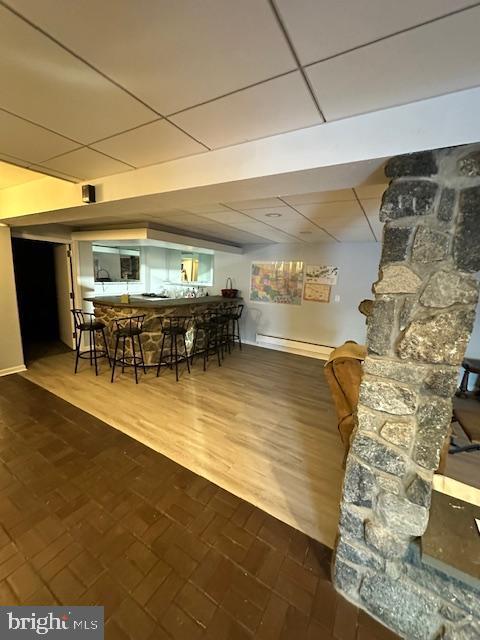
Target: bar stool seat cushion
(92, 326)
(127, 332)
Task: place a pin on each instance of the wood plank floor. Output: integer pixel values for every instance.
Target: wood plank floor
(262, 426)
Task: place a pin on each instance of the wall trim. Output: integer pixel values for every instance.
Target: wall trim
(308, 349)
(10, 370)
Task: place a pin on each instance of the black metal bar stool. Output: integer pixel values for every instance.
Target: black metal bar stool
(207, 337)
(127, 329)
(174, 328)
(234, 313)
(87, 322)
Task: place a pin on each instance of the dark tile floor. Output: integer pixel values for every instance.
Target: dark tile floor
(90, 516)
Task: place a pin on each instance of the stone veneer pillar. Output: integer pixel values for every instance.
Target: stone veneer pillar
(423, 315)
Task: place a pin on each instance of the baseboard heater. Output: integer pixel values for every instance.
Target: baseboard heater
(310, 349)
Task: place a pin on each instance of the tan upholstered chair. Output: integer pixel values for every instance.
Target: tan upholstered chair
(344, 373)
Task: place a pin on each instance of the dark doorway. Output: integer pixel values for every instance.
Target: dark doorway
(34, 266)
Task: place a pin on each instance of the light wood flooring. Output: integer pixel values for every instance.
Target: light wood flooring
(262, 426)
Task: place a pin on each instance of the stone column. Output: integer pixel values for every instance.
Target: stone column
(424, 310)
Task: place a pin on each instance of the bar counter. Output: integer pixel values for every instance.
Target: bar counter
(108, 308)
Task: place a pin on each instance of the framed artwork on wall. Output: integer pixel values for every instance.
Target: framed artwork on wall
(314, 292)
(277, 282)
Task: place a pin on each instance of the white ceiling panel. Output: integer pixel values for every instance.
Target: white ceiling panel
(372, 209)
(172, 54)
(279, 105)
(437, 58)
(316, 236)
(341, 195)
(355, 235)
(28, 142)
(294, 227)
(5, 157)
(152, 143)
(320, 28)
(228, 217)
(261, 203)
(371, 190)
(330, 211)
(86, 163)
(49, 86)
(283, 213)
(54, 174)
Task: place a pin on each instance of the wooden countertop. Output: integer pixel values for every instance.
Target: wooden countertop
(138, 302)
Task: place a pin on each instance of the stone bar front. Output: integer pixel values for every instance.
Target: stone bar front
(109, 308)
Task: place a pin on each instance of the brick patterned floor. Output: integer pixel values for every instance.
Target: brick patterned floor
(90, 516)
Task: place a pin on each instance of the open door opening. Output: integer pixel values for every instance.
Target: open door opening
(44, 290)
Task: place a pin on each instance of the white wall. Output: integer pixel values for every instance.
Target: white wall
(325, 324)
(11, 352)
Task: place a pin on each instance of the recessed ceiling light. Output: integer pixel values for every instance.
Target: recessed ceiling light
(273, 215)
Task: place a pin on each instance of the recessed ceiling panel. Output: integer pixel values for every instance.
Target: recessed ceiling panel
(371, 190)
(279, 105)
(372, 209)
(330, 211)
(86, 163)
(320, 196)
(173, 54)
(271, 215)
(320, 28)
(432, 60)
(152, 143)
(260, 203)
(227, 217)
(47, 85)
(28, 142)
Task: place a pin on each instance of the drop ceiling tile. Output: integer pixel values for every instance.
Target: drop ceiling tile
(51, 87)
(322, 29)
(295, 227)
(371, 190)
(317, 236)
(86, 163)
(279, 105)
(372, 209)
(261, 203)
(172, 55)
(284, 213)
(151, 143)
(228, 217)
(342, 225)
(28, 142)
(372, 206)
(11, 175)
(388, 73)
(54, 174)
(251, 225)
(4, 157)
(317, 197)
(355, 235)
(326, 212)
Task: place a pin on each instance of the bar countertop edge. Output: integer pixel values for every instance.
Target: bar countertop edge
(137, 302)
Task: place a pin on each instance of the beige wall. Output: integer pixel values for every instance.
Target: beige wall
(11, 352)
